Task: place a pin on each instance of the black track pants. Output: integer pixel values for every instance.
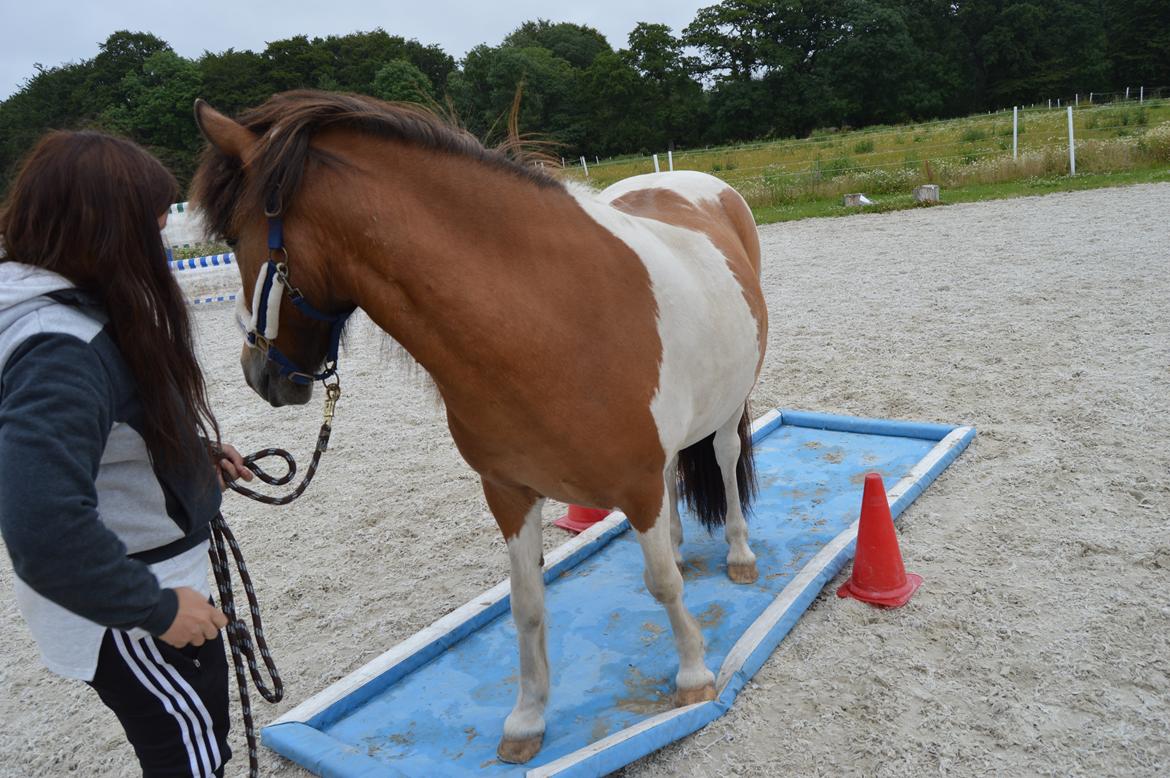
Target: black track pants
(173, 703)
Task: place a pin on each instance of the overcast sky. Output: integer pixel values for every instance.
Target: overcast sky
(53, 32)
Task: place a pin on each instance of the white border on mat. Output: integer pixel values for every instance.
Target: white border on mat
(765, 420)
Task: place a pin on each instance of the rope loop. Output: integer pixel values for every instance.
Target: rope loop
(289, 463)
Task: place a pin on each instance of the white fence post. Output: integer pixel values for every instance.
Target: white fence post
(656, 169)
(1015, 132)
(670, 160)
(1078, 99)
(1072, 146)
(1141, 94)
(586, 167)
(1090, 98)
(1127, 93)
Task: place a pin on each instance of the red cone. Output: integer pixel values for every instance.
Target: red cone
(879, 576)
(579, 519)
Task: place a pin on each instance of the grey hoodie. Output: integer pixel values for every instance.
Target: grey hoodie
(98, 535)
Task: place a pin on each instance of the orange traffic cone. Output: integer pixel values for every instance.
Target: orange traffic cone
(579, 519)
(879, 576)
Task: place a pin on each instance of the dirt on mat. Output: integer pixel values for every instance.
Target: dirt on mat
(1039, 642)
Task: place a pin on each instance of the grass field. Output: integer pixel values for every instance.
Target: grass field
(970, 158)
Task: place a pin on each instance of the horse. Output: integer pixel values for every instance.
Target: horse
(593, 348)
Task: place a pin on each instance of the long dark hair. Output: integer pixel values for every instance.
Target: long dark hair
(86, 205)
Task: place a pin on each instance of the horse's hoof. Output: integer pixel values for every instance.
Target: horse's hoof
(741, 573)
(691, 696)
(519, 751)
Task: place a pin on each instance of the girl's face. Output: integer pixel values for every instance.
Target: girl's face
(162, 221)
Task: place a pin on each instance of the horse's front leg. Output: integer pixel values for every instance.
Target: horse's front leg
(517, 510)
(695, 682)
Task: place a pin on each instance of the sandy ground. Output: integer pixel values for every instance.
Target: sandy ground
(1039, 643)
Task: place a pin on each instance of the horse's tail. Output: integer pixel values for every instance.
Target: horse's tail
(701, 482)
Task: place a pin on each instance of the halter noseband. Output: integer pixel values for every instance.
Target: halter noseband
(262, 327)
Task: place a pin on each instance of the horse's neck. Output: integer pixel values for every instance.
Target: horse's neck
(459, 257)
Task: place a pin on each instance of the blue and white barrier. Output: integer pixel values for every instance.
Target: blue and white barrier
(219, 298)
(198, 263)
(206, 264)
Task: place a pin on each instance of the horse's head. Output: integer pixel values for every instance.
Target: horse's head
(285, 309)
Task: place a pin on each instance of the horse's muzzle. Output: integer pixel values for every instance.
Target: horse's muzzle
(263, 375)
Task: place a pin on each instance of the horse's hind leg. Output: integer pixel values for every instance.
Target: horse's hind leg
(741, 562)
(695, 682)
(676, 530)
(517, 511)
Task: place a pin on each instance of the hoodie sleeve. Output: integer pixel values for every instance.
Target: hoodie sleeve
(55, 416)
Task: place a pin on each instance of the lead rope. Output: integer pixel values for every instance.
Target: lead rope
(239, 639)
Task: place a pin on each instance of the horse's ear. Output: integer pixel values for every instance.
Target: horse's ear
(230, 137)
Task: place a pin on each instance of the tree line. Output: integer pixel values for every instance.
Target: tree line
(741, 70)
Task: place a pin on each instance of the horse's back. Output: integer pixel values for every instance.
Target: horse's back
(708, 205)
(694, 200)
(711, 311)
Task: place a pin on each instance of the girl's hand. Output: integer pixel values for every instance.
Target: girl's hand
(196, 622)
(230, 466)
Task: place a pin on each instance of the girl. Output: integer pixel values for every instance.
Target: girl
(108, 484)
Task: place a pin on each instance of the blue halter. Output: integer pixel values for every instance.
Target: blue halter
(264, 327)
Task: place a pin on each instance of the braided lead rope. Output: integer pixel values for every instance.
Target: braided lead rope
(239, 639)
(247, 645)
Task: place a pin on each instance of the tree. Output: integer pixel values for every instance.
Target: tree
(123, 52)
(235, 80)
(766, 59)
(1025, 50)
(677, 102)
(655, 52)
(298, 63)
(400, 80)
(577, 44)
(620, 109)
(875, 66)
(945, 77)
(50, 99)
(157, 112)
(1138, 47)
(359, 56)
(484, 88)
(742, 38)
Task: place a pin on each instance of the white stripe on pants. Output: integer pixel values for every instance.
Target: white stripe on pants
(139, 665)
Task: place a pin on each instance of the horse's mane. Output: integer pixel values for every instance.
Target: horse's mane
(286, 124)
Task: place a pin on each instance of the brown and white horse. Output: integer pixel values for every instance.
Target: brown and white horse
(510, 288)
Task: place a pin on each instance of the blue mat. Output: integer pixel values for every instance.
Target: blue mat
(436, 704)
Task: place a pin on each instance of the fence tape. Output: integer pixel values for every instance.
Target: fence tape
(219, 298)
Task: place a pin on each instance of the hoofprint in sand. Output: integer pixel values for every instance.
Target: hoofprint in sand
(1040, 642)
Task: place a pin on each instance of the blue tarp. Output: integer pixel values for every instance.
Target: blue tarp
(611, 653)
